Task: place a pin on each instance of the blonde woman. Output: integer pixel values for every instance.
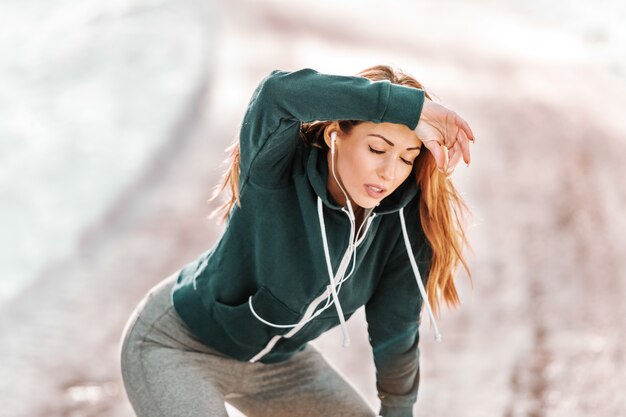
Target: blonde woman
(341, 198)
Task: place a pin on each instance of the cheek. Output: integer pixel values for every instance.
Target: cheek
(367, 166)
(405, 172)
(358, 164)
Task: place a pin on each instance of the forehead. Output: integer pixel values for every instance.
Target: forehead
(399, 134)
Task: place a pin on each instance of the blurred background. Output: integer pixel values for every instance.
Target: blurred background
(114, 116)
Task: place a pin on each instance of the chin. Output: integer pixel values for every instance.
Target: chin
(362, 199)
(367, 203)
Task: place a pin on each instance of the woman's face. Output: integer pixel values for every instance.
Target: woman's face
(371, 161)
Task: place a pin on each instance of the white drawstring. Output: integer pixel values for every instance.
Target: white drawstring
(329, 267)
(418, 278)
(336, 279)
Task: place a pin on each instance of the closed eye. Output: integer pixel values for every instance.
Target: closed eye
(377, 152)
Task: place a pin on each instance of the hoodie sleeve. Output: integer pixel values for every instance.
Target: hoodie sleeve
(393, 318)
(270, 128)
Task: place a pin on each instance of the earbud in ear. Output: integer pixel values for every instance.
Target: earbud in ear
(333, 138)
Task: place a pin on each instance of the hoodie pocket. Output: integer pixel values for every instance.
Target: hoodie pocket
(243, 328)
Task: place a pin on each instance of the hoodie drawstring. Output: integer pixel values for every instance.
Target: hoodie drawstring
(336, 279)
(418, 278)
(331, 287)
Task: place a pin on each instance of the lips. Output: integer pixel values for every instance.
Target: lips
(375, 191)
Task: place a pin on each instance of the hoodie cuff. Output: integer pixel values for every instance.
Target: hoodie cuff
(387, 411)
(404, 105)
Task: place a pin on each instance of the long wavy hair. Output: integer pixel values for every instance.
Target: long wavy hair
(443, 211)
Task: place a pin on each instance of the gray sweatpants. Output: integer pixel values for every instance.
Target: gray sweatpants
(167, 372)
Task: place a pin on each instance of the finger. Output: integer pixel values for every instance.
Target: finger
(466, 128)
(463, 141)
(450, 139)
(451, 153)
(437, 153)
(455, 157)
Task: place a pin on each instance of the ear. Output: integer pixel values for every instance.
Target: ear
(332, 127)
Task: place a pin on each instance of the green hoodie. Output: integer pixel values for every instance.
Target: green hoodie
(270, 268)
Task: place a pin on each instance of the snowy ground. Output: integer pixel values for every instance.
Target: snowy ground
(542, 332)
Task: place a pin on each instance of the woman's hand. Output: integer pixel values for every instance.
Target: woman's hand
(446, 135)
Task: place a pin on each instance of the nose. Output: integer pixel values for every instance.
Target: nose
(387, 170)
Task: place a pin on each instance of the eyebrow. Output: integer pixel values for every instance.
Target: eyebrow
(393, 144)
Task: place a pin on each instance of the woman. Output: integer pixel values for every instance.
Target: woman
(340, 199)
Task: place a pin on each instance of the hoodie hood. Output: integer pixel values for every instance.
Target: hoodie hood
(317, 173)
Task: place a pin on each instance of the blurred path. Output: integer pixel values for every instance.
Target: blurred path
(60, 337)
(542, 333)
(89, 92)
